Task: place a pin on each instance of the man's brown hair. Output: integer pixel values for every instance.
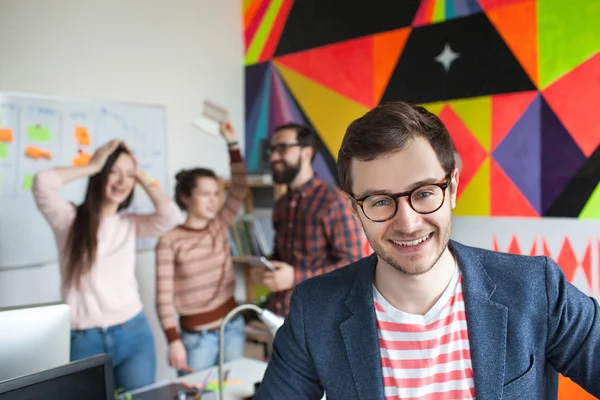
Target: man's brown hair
(389, 128)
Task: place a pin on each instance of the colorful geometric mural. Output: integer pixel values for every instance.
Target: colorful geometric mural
(517, 82)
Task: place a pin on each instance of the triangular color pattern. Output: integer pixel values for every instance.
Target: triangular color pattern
(506, 199)
(519, 154)
(317, 102)
(387, 48)
(476, 113)
(557, 144)
(517, 24)
(340, 67)
(470, 150)
(475, 198)
(574, 99)
(506, 111)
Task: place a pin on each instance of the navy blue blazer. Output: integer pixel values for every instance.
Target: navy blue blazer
(525, 323)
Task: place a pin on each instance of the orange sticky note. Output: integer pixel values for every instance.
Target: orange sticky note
(6, 135)
(36, 153)
(82, 159)
(82, 135)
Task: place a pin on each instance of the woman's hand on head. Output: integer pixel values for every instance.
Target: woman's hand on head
(102, 153)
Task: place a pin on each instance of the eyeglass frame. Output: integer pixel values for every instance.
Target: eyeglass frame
(396, 196)
(283, 146)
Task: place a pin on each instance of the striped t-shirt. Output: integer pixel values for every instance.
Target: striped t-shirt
(426, 356)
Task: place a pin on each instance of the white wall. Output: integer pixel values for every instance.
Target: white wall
(174, 53)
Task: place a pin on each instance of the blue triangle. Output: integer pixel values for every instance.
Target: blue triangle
(519, 154)
(462, 8)
(257, 126)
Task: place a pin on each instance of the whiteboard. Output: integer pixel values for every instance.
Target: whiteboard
(38, 132)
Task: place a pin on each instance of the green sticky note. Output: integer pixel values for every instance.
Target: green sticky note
(38, 133)
(27, 182)
(3, 150)
(214, 386)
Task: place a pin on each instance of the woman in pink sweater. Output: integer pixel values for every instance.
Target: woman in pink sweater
(97, 247)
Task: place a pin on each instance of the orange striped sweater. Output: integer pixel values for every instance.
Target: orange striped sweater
(194, 272)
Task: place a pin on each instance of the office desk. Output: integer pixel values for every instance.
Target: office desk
(246, 370)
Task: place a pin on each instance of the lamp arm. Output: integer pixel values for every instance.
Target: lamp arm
(230, 315)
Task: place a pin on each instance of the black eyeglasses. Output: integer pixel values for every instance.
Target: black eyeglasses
(425, 199)
(280, 148)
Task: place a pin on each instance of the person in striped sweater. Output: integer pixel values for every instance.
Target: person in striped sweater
(194, 268)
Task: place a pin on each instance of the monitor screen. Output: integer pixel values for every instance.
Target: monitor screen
(85, 379)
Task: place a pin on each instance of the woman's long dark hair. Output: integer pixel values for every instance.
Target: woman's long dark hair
(82, 242)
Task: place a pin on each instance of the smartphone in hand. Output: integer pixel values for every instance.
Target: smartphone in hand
(267, 264)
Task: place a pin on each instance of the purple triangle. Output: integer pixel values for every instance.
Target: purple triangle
(322, 169)
(255, 76)
(519, 154)
(561, 157)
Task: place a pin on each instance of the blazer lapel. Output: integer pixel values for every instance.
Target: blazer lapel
(360, 335)
(486, 322)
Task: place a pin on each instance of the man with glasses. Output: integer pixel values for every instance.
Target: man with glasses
(426, 317)
(315, 228)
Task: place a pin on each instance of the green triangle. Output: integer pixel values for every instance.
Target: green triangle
(568, 34)
(592, 207)
(476, 113)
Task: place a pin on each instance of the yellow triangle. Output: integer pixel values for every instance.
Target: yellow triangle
(475, 200)
(246, 4)
(591, 210)
(435, 108)
(476, 113)
(329, 112)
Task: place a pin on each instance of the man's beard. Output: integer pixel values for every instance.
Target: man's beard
(419, 270)
(287, 174)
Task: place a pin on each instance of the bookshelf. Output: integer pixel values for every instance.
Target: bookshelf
(260, 198)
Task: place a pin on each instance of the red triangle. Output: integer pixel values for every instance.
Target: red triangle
(506, 111)
(471, 152)
(574, 99)
(567, 260)
(586, 263)
(517, 24)
(424, 14)
(513, 247)
(387, 48)
(339, 66)
(533, 251)
(506, 199)
(492, 4)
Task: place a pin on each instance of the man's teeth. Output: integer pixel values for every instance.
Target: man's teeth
(412, 242)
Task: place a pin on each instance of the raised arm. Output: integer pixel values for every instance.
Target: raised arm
(239, 183)
(46, 185)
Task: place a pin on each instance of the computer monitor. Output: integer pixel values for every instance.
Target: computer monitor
(33, 339)
(89, 378)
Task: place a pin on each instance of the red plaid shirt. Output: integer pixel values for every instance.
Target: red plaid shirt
(315, 232)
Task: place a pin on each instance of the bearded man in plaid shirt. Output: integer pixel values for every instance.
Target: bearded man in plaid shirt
(315, 228)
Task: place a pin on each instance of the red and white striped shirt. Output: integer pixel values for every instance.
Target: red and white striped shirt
(426, 356)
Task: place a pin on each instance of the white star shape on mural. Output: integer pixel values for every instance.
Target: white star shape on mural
(447, 57)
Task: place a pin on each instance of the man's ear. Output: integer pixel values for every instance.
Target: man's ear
(454, 187)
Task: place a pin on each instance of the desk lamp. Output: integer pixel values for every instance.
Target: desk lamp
(272, 321)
